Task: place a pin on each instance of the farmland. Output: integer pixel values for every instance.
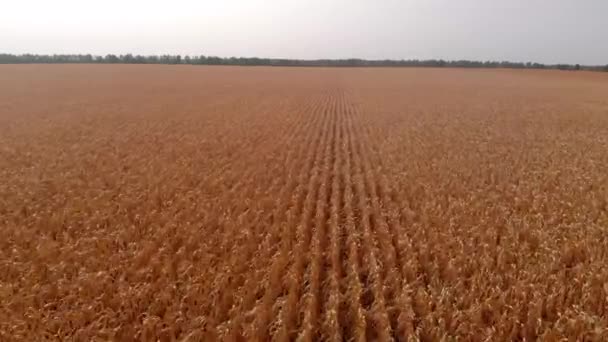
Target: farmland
(184, 203)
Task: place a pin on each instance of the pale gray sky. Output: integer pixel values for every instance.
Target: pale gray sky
(548, 31)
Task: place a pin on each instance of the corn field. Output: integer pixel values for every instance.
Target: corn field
(183, 203)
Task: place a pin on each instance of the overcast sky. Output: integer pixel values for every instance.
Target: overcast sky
(547, 31)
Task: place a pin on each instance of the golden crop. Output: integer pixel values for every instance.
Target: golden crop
(181, 203)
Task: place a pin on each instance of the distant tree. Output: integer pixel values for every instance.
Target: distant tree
(139, 59)
(6, 58)
(538, 66)
(200, 60)
(112, 59)
(128, 58)
(165, 59)
(215, 60)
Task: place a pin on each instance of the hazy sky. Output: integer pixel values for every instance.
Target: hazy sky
(548, 31)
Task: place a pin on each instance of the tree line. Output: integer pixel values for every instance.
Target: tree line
(215, 60)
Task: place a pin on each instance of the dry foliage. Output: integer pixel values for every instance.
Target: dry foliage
(177, 203)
